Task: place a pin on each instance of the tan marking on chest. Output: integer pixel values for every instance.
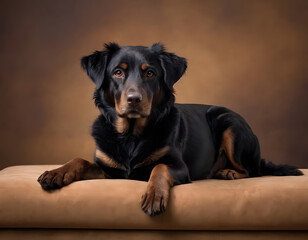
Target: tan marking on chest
(139, 125)
(108, 161)
(153, 157)
(121, 125)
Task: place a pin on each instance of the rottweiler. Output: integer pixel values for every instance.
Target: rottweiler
(142, 134)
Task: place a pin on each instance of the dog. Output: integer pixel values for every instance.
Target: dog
(142, 134)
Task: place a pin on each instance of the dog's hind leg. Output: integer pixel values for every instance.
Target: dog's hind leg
(236, 171)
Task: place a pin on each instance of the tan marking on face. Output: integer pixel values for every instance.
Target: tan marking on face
(146, 103)
(228, 146)
(121, 105)
(123, 66)
(144, 106)
(144, 66)
(122, 125)
(153, 157)
(108, 161)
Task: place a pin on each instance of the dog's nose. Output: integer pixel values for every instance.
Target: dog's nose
(133, 98)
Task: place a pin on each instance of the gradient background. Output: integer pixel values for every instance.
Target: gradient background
(250, 56)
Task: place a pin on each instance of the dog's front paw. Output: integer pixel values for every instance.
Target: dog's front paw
(62, 176)
(53, 179)
(154, 201)
(56, 178)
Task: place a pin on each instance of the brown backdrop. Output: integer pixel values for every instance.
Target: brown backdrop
(250, 56)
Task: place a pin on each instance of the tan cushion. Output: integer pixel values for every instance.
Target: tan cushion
(266, 203)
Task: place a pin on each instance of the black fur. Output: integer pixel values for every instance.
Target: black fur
(193, 132)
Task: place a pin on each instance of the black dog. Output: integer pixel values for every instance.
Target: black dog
(142, 134)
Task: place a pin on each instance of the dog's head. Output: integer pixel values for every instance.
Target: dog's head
(133, 80)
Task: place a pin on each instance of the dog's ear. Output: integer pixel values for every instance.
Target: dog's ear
(172, 65)
(95, 64)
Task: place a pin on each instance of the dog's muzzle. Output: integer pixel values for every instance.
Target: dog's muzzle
(134, 99)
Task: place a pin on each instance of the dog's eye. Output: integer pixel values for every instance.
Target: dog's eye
(150, 74)
(118, 73)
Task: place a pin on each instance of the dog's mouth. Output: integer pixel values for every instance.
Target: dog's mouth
(133, 114)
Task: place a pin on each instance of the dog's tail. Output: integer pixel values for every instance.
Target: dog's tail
(269, 168)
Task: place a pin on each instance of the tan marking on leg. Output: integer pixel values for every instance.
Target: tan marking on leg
(229, 174)
(228, 146)
(153, 157)
(156, 197)
(144, 66)
(108, 161)
(219, 164)
(161, 173)
(75, 170)
(123, 66)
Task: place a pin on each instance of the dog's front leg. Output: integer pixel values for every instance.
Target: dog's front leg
(155, 199)
(75, 170)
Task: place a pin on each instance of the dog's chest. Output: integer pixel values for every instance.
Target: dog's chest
(127, 150)
(130, 148)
